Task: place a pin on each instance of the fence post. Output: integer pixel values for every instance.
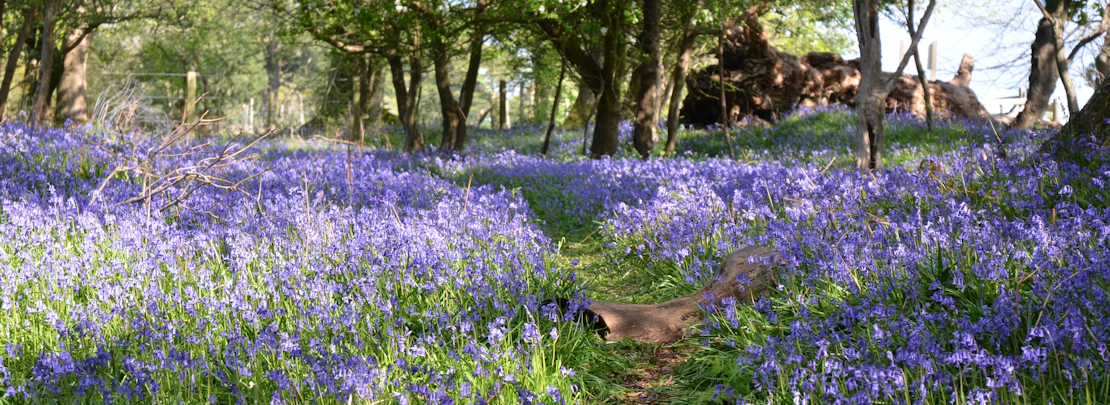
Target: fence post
(503, 112)
(933, 60)
(300, 101)
(190, 96)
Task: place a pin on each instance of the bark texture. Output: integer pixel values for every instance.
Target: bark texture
(869, 100)
(746, 275)
(49, 34)
(454, 121)
(1042, 72)
(13, 59)
(73, 87)
(406, 99)
(371, 90)
(1090, 123)
(647, 114)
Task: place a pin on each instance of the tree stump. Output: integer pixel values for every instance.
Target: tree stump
(745, 275)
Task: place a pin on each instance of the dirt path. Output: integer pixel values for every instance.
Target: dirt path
(654, 381)
(652, 378)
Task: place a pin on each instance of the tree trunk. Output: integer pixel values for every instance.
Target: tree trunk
(406, 101)
(723, 96)
(364, 86)
(580, 111)
(273, 67)
(72, 87)
(921, 69)
(608, 122)
(50, 17)
(454, 121)
(1062, 58)
(608, 119)
(869, 107)
(13, 59)
(554, 107)
(1089, 123)
(689, 37)
(502, 106)
(470, 83)
(375, 84)
(1043, 71)
(1102, 61)
(647, 115)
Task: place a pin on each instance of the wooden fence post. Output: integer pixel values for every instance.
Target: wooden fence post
(503, 111)
(933, 60)
(191, 96)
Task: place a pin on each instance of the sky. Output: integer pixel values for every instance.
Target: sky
(960, 29)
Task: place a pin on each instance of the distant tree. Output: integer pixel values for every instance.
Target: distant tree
(392, 30)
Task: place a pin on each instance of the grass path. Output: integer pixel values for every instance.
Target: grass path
(636, 373)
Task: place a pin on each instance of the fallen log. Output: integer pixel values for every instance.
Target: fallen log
(745, 275)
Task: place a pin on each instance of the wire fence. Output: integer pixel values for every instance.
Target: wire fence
(156, 101)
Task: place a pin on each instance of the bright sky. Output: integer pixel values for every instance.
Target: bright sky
(959, 29)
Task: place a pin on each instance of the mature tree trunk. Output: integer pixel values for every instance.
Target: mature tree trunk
(1061, 54)
(607, 122)
(13, 58)
(1102, 61)
(1043, 71)
(406, 100)
(454, 121)
(670, 321)
(72, 87)
(647, 115)
(554, 107)
(869, 100)
(580, 111)
(1089, 123)
(50, 17)
(373, 85)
